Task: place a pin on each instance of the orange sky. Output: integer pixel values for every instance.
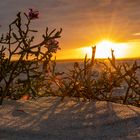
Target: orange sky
(84, 23)
(121, 50)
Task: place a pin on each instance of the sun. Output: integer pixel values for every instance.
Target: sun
(103, 49)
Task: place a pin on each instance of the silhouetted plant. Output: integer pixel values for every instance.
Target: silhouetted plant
(18, 44)
(84, 81)
(33, 72)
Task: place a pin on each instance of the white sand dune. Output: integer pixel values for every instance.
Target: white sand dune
(49, 118)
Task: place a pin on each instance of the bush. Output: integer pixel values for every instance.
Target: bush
(33, 72)
(24, 76)
(87, 82)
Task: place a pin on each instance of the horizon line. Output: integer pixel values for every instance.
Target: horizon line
(125, 58)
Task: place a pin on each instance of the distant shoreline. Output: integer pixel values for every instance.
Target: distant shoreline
(81, 59)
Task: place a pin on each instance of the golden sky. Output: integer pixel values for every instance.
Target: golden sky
(85, 23)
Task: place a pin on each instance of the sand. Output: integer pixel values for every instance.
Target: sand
(49, 118)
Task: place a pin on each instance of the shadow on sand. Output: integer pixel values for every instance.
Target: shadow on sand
(53, 119)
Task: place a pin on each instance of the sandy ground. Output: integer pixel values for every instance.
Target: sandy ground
(49, 118)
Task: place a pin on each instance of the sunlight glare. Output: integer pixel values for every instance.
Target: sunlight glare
(88, 51)
(103, 49)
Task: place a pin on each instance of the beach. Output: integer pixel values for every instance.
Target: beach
(70, 119)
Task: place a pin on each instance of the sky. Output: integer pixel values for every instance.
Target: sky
(84, 23)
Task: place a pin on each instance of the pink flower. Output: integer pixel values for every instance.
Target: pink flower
(33, 14)
(53, 42)
(53, 45)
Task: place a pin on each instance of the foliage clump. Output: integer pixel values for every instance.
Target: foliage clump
(20, 58)
(115, 82)
(33, 73)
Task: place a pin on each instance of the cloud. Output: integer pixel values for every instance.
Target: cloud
(136, 34)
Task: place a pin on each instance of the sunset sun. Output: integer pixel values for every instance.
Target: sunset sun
(103, 49)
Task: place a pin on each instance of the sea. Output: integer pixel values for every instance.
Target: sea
(66, 65)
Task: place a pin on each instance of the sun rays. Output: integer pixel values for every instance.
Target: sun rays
(104, 47)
